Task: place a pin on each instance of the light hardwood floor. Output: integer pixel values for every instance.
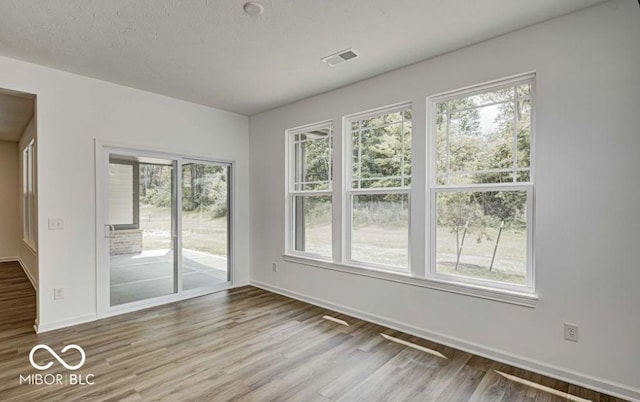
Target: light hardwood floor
(253, 345)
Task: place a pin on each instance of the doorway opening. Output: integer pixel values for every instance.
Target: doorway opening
(18, 199)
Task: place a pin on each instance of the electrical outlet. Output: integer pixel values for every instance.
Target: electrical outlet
(274, 266)
(56, 224)
(58, 293)
(570, 332)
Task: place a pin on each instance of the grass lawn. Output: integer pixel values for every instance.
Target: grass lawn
(199, 231)
(510, 261)
(388, 245)
(371, 243)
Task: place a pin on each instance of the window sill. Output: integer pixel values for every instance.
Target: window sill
(506, 296)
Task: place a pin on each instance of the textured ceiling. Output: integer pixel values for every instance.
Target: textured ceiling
(16, 111)
(210, 52)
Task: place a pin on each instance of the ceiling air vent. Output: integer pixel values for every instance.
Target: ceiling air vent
(340, 57)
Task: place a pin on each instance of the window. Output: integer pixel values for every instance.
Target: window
(481, 185)
(378, 182)
(478, 209)
(310, 187)
(124, 193)
(28, 195)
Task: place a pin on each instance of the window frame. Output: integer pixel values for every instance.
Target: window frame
(433, 188)
(292, 192)
(418, 272)
(349, 192)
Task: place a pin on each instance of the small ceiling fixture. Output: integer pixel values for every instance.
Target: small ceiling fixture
(253, 8)
(340, 57)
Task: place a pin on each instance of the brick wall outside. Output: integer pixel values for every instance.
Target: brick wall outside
(127, 241)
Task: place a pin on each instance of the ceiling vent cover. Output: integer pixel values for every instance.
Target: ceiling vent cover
(340, 57)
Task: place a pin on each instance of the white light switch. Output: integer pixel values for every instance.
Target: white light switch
(56, 224)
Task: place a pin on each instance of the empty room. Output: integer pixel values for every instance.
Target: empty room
(364, 200)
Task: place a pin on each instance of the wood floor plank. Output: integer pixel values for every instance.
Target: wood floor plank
(248, 344)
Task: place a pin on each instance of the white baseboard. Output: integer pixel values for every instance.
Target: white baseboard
(50, 326)
(33, 281)
(563, 374)
(9, 259)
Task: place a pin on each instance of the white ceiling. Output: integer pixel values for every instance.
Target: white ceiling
(16, 111)
(210, 52)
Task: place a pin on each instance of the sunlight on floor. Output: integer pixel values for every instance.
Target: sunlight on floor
(414, 346)
(336, 320)
(542, 387)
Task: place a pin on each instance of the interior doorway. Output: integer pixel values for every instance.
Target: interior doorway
(18, 195)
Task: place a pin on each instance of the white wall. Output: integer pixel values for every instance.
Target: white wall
(72, 111)
(28, 254)
(9, 223)
(587, 218)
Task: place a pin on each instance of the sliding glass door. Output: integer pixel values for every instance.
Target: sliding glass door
(166, 227)
(205, 224)
(142, 229)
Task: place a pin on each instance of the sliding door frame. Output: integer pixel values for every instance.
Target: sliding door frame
(102, 151)
(230, 216)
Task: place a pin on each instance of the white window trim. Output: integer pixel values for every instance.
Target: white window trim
(102, 149)
(433, 189)
(520, 296)
(348, 192)
(29, 195)
(290, 191)
(483, 292)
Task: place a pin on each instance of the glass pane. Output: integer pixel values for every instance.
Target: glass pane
(442, 147)
(380, 230)
(476, 137)
(505, 176)
(524, 134)
(482, 139)
(382, 153)
(355, 155)
(476, 145)
(121, 189)
(312, 224)
(381, 120)
(500, 95)
(378, 183)
(407, 153)
(482, 235)
(524, 91)
(205, 225)
(524, 175)
(142, 252)
(313, 160)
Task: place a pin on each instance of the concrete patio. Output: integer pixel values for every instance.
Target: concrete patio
(150, 273)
